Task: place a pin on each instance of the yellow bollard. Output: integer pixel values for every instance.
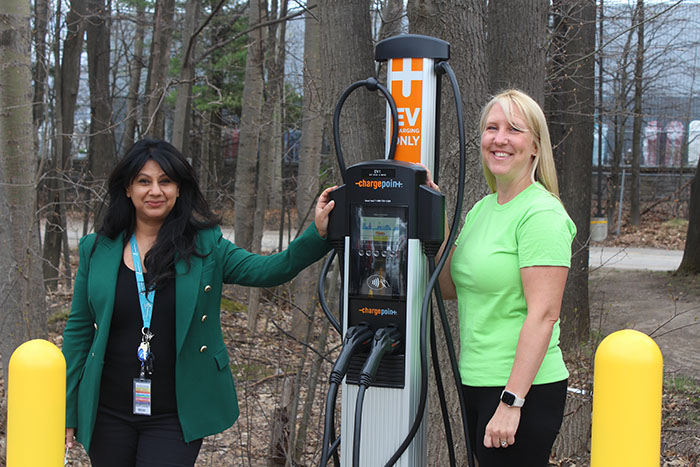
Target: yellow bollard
(627, 390)
(36, 405)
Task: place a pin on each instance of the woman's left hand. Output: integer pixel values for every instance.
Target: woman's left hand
(324, 206)
(500, 431)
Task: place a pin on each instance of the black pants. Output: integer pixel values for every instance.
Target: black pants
(540, 420)
(125, 440)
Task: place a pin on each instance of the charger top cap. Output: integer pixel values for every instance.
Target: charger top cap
(412, 46)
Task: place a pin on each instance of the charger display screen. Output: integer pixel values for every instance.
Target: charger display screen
(380, 229)
(378, 251)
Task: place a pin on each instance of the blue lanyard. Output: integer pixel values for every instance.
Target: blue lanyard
(145, 299)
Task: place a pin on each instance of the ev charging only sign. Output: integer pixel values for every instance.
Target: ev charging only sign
(407, 91)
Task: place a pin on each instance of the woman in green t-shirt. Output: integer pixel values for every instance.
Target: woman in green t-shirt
(508, 270)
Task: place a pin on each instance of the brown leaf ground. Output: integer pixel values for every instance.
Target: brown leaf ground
(657, 229)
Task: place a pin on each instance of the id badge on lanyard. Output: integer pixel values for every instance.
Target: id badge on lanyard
(142, 396)
(142, 385)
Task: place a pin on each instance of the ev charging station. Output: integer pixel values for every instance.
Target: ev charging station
(385, 276)
(384, 222)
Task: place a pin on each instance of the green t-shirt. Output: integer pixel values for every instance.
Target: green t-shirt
(532, 229)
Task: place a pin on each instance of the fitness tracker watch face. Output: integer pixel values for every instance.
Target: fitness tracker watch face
(511, 400)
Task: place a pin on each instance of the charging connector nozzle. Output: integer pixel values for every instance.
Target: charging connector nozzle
(385, 340)
(355, 338)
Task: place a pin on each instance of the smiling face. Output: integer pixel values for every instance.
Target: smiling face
(507, 148)
(153, 193)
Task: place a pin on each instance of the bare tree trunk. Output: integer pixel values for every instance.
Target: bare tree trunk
(309, 165)
(299, 380)
(270, 136)
(67, 96)
(23, 311)
(619, 118)
(157, 81)
(101, 145)
(310, 402)
(258, 230)
(53, 227)
(347, 55)
(278, 96)
(619, 124)
(279, 431)
(183, 104)
(571, 106)
(462, 24)
(516, 45)
(391, 16)
(135, 67)
(40, 73)
(637, 125)
(263, 165)
(571, 109)
(311, 123)
(40, 79)
(218, 122)
(246, 164)
(215, 158)
(690, 264)
(276, 191)
(264, 169)
(305, 299)
(392, 13)
(205, 157)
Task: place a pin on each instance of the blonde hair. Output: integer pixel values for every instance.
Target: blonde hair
(543, 169)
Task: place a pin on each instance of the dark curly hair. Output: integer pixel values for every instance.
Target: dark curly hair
(191, 213)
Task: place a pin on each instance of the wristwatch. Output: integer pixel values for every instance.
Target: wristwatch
(511, 400)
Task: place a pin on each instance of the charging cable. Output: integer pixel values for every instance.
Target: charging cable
(372, 85)
(440, 68)
(385, 340)
(322, 294)
(356, 338)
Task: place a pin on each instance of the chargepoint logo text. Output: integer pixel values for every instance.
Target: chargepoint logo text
(379, 184)
(378, 311)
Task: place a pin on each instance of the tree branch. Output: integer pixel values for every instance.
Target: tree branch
(667, 198)
(215, 47)
(612, 39)
(200, 29)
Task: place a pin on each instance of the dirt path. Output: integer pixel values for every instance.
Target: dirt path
(645, 300)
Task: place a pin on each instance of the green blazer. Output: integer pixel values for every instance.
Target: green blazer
(206, 395)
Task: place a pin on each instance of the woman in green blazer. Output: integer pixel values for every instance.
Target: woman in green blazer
(147, 369)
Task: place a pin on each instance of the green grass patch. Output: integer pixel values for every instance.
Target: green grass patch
(233, 306)
(59, 317)
(676, 222)
(250, 371)
(683, 384)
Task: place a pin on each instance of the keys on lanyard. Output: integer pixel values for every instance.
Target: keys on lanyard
(146, 301)
(144, 352)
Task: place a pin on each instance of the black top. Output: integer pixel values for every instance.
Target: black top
(122, 365)
(412, 46)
